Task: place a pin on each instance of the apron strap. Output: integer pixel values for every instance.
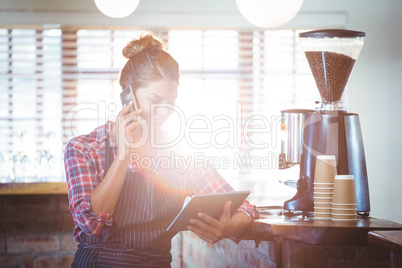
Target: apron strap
(109, 157)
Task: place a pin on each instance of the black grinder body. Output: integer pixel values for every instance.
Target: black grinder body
(331, 133)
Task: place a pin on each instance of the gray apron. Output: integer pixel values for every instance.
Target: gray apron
(137, 237)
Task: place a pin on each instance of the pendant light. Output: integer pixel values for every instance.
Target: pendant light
(117, 8)
(269, 13)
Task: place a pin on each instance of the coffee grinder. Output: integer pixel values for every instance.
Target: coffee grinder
(329, 129)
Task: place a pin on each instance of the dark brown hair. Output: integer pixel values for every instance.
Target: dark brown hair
(148, 62)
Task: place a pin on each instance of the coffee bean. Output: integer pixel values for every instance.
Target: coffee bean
(331, 72)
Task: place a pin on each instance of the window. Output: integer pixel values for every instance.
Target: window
(59, 83)
(30, 103)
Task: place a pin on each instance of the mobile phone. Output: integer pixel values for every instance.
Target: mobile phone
(128, 95)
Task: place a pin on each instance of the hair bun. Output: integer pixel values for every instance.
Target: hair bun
(146, 41)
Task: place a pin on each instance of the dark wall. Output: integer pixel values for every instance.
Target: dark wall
(36, 231)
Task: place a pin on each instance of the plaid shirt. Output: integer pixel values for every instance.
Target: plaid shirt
(84, 161)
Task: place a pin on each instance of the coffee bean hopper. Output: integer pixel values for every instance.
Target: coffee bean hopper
(329, 129)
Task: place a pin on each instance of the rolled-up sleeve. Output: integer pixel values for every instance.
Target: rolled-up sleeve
(249, 209)
(82, 179)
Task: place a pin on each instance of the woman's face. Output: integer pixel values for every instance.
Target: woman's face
(157, 100)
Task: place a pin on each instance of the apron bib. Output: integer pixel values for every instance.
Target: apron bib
(137, 237)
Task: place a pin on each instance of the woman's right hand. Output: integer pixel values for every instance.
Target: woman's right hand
(130, 134)
(127, 133)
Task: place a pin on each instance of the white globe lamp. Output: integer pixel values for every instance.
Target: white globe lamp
(269, 13)
(117, 8)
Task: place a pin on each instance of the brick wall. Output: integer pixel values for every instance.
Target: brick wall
(36, 231)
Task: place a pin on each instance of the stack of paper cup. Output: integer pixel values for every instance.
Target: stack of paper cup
(344, 199)
(325, 171)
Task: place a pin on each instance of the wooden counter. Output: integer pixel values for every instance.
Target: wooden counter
(33, 188)
(392, 241)
(268, 228)
(352, 233)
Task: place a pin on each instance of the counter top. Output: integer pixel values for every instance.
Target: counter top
(33, 188)
(273, 227)
(281, 228)
(392, 240)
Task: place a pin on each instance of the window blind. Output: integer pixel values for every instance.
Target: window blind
(60, 83)
(92, 60)
(30, 113)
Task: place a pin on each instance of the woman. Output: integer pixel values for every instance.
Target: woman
(122, 209)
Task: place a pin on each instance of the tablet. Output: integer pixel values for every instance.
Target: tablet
(211, 204)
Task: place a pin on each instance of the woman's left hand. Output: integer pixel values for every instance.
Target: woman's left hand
(210, 229)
